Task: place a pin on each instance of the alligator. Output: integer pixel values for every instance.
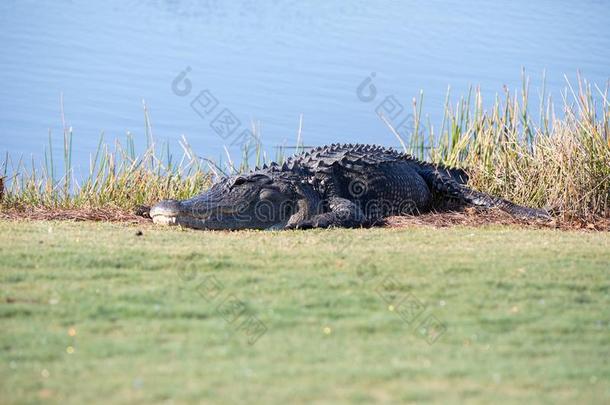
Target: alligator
(330, 186)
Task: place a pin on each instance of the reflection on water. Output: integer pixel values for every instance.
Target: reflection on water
(270, 62)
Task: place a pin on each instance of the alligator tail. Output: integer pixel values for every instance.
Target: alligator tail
(449, 184)
(426, 169)
(479, 199)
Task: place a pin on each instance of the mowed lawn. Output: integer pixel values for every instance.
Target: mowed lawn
(93, 312)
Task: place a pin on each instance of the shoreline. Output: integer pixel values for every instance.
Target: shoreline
(469, 217)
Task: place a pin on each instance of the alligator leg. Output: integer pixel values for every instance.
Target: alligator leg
(446, 186)
(343, 213)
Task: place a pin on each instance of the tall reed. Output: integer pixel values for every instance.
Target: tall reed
(555, 159)
(559, 159)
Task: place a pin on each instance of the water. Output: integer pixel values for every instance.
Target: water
(270, 62)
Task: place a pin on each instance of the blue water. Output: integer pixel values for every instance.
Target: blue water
(270, 62)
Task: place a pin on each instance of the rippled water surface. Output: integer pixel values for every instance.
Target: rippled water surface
(271, 61)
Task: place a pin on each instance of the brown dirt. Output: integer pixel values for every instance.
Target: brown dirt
(466, 217)
(81, 214)
(476, 217)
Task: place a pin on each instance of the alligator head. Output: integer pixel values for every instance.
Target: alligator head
(251, 201)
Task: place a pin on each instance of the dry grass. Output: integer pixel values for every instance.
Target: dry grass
(472, 217)
(560, 161)
(75, 214)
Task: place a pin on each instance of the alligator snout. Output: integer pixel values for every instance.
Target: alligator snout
(166, 212)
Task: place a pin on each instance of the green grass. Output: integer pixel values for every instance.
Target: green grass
(526, 315)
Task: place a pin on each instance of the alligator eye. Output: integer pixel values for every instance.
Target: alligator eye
(239, 181)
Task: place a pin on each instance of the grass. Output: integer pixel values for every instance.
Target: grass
(92, 311)
(560, 161)
(557, 158)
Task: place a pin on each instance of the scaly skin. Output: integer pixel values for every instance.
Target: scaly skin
(335, 185)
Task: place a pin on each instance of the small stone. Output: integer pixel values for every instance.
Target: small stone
(139, 233)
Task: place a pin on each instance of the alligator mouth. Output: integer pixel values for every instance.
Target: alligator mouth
(174, 212)
(166, 212)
